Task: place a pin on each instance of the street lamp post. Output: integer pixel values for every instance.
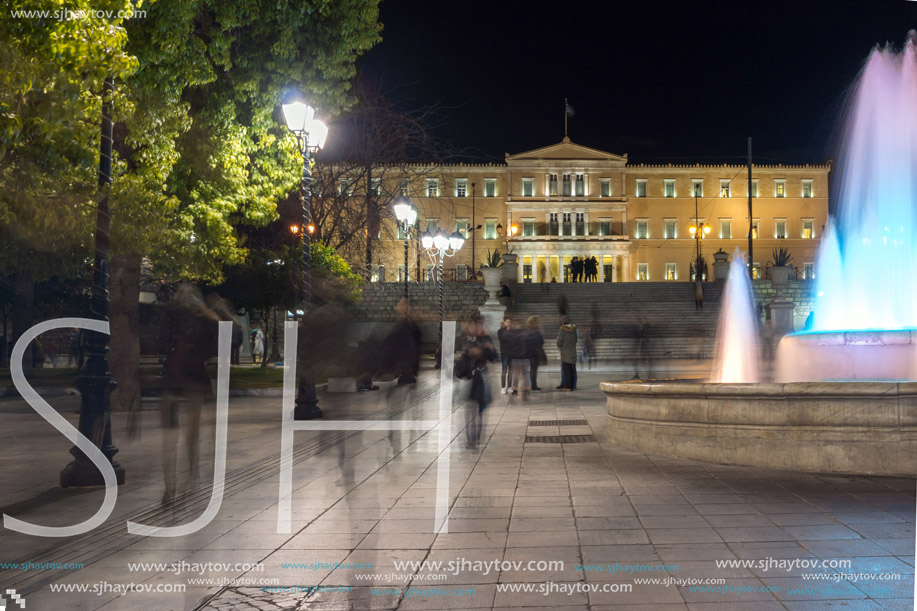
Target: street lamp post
(698, 231)
(441, 245)
(506, 235)
(310, 136)
(406, 213)
(96, 383)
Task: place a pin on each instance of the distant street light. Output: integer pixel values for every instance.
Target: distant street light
(310, 135)
(406, 213)
(441, 245)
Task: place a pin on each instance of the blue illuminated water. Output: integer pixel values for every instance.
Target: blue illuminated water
(866, 262)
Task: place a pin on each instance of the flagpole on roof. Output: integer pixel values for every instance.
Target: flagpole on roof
(566, 106)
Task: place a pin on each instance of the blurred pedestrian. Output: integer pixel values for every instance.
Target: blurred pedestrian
(698, 295)
(188, 336)
(257, 339)
(479, 350)
(504, 357)
(566, 343)
(535, 343)
(402, 346)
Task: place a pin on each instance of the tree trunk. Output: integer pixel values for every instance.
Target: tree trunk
(124, 355)
(23, 300)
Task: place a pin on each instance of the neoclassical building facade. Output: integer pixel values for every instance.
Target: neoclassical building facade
(566, 200)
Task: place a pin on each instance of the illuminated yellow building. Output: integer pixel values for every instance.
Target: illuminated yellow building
(568, 200)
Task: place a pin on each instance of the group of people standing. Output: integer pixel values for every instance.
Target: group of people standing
(585, 269)
(521, 352)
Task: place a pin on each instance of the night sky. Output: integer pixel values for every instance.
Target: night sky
(664, 81)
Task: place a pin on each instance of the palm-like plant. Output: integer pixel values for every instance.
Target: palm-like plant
(782, 256)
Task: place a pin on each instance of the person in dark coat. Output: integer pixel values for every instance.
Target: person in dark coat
(594, 264)
(480, 350)
(576, 269)
(535, 349)
(188, 335)
(402, 346)
(504, 358)
(566, 343)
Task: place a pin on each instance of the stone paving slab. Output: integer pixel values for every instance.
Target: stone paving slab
(615, 519)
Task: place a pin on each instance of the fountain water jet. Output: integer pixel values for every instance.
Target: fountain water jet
(737, 335)
(865, 323)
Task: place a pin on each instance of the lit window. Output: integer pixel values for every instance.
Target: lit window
(528, 187)
(376, 186)
(808, 271)
(428, 273)
(490, 229)
(642, 230)
(461, 272)
(528, 227)
(566, 183)
(669, 229)
(605, 187)
(670, 273)
(726, 230)
(345, 188)
(566, 228)
(643, 271)
(755, 271)
(553, 227)
(807, 188)
(403, 187)
(432, 225)
(581, 184)
(779, 188)
(400, 231)
(490, 187)
(580, 223)
(724, 188)
(697, 187)
(641, 188)
(604, 227)
(779, 229)
(461, 187)
(808, 229)
(754, 229)
(552, 184)
(432, 187)
(461, 225)
(669, 188)
(754, 187)
(401, 273)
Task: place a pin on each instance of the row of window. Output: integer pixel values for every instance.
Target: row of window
(575, 224)
(670, 229)
(671, 271)
(576, 185)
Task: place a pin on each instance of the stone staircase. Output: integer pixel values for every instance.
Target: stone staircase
(673, 329)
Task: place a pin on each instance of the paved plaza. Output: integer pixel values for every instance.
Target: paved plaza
(545, 513)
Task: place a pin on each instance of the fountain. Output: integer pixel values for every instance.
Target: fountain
(866, 304)
(842, 401)
(737, 336)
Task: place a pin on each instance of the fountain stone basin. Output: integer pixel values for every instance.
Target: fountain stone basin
(847, 355)
(831, 427)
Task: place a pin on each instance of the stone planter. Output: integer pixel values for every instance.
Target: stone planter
(720, 268)
(780, 275)
(510, 270)
(492, 278)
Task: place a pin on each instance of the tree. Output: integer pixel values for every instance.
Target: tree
(377, 150)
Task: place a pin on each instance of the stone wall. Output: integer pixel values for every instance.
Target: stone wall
(800, 292)
(379, 299)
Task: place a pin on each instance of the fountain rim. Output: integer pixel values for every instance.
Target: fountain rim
(856, 388)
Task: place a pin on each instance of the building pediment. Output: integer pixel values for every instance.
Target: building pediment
(568, 151)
